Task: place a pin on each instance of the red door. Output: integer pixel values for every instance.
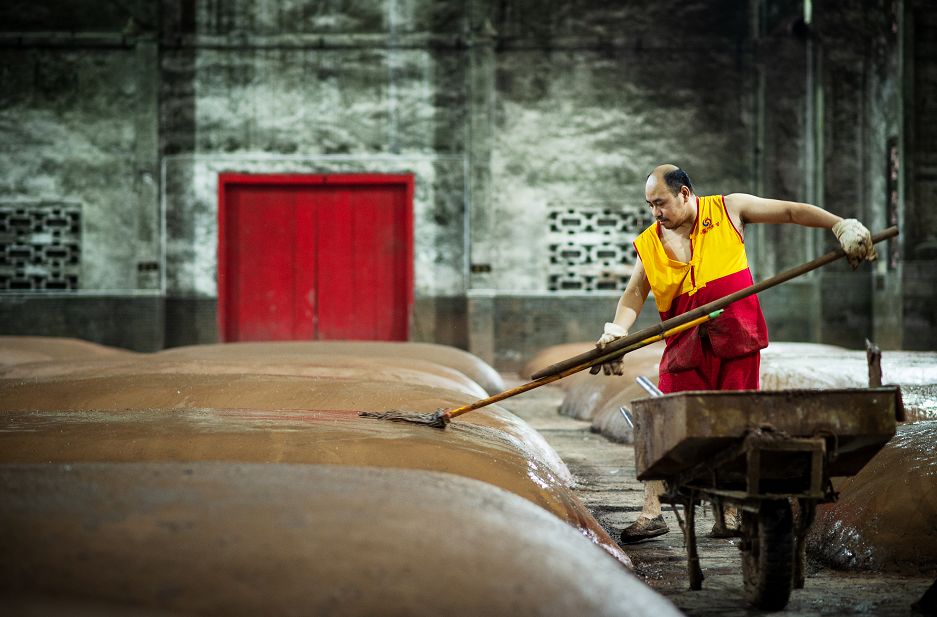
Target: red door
(314, 257)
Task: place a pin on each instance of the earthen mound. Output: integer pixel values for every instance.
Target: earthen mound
(586, 394)
(609, 420)
(886, 515)
(221, 539)
(268, 361)
(176, 416)
(809, 365)
(470, 365)
(552, 355)
(16, 350)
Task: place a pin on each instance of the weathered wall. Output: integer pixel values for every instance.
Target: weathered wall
(586, 100)
(829, 125)
(918, 294)
(78, 114)
(301, 88)
(504, 112)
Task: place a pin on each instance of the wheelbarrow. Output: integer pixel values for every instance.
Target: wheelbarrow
(770, 454)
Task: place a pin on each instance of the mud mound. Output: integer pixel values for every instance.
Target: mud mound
(312, 540)
(586, 394)
(15, 350)
(315, 366)
(469, 365)
(552, 355)
(609, 420)
(886, 516)
(808, 365)
(176, 417)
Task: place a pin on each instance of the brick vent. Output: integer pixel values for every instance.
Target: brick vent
(590, 246)
(40, 246)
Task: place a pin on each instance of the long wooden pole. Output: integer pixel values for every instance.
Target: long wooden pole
(602, 358)
(624, 342)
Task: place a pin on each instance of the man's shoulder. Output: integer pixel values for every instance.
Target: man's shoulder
(717, 199)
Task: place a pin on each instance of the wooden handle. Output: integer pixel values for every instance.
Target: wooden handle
(723, 302)
(449, 414)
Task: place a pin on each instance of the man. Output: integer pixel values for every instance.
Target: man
(693, 254)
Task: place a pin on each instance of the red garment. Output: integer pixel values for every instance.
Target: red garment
(715, 373)
(722, 354)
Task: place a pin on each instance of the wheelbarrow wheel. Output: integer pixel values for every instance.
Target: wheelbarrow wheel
(768, 555)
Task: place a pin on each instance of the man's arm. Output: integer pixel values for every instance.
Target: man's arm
(745, 209)
(852, 235)
(632, 299)
(629, 307)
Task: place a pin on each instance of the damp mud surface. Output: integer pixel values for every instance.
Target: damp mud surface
(16, 350)
(885, 519)
(242, 539)
(338, 367)
(469, 365)
(606, 482)
(809, 365)
(599, 398)
(586, 393)
(261, 406)
(551, 355)
(610, 422)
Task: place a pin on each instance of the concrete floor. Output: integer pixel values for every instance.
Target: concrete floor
(606, 483)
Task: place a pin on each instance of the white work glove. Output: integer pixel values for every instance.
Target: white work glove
(855, 240)
(611, 333)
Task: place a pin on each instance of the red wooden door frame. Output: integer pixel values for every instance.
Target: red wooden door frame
(227, 180)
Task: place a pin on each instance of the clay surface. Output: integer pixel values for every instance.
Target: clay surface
(198, 386)
(608, 419)
(886, 516)
(469, 365)
(552, 355)
(15, 350)
(316, 366)
(234, 539)
(111, 414)
(808, 365)
(586, 394)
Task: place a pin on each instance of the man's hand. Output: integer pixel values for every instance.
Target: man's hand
(855, 240)
(611, 333)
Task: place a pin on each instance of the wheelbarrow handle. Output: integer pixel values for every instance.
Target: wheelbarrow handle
(698, 312)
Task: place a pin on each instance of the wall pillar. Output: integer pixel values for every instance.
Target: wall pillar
(479, 144)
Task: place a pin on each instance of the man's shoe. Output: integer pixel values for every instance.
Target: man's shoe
(644, 529)
(728, 525)
(724, 531)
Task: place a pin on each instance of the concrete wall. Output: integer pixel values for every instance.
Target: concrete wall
(504, 112)
(917, 296)
(78, 107)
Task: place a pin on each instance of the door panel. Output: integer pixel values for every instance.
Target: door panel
(335, 265)
(304, 275)
(315, 257)
(263, 254)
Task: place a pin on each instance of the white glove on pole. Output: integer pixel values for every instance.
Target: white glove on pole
(611, 333)
(855, 240)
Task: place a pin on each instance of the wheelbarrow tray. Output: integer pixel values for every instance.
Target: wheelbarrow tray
(676, 432)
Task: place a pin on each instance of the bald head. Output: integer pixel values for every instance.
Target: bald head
(668, 175)
(669, 192)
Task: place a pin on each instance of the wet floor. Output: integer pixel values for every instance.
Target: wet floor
(606, 483)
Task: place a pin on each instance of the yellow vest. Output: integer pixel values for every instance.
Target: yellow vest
(714, 236)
